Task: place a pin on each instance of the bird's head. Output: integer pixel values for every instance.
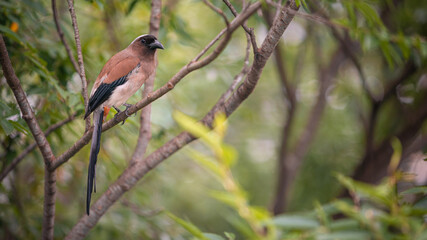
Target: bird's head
(146, 43)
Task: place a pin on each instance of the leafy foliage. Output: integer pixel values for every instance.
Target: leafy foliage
(375, 212)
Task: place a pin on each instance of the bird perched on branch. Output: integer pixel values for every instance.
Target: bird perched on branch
(119, 79)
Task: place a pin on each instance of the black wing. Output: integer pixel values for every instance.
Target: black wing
(103, 92)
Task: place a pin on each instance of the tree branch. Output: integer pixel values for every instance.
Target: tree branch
(62, 37)
(249, 31)
(292, 160)
(290, 105)
(42, 143)
(184, 71)
(80, 59)
(369, 169)
(217, 10)
(32, 146)
(134, 173)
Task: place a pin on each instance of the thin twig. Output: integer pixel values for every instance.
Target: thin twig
(134, 173)
(239, 77)
(80, 59)
(248, 30)
(308, 16)
(62, 37)
(294, 158)
(210, 44)
(42, 143)
(217, 10)
(184, 71)
(348, 47)
(32, 146)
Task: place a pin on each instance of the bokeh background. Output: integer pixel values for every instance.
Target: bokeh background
(386, 37)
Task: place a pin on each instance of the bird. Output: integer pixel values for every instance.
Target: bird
(122, 75)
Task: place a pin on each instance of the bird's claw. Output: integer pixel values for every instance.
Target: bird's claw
(126, 111)
(127, 108)
(119, 111)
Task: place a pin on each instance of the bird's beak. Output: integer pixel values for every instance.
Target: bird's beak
(156, 44)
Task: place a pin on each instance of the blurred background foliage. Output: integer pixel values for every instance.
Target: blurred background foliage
(386, 37)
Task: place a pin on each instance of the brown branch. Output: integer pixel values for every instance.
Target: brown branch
(249, 31)
(210, 44)
(349, 47)
(62, 37)
(32, 146)
(279, 199)
(290, 104)
(217, 10)
(184, 71)
(134, 173)
(408, 70)
(145, 128)
(239, 77)
(311, 17)
(374, 156)
(280, 23)
(42, 143)
(80, 59)
(293, 159)
(49, 203)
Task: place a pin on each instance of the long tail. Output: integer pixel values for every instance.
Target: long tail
(94, 150)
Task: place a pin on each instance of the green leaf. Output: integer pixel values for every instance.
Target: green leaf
(329, 209)
(230, 236)
(345, 235)
(343, 224)
(415, 190)
(131, 6)
(197, 129)
(10, 34)
(380, 193)
(5, 109)
(305, 6)
(191, 228)
(351, 14)
(369, 13)
(224, 197)
(229, 155)
(387, 52)
(7, 126)
(397, 153)
(212, 236)
(210, 163)
(260, 213)
(295, 222)
(19, 127)
(404, 45)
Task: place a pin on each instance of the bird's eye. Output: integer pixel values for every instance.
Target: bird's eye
(143, 40)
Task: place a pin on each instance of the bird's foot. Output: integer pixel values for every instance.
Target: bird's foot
(127, 108)
(119, 111)
(126, 111)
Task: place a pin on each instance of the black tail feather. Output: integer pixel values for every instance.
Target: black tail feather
(94, 150)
